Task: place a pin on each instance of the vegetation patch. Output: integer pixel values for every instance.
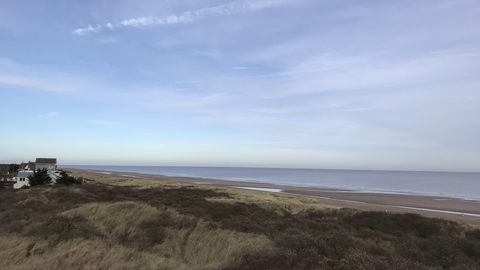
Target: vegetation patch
(183, 227)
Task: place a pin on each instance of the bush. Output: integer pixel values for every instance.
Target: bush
(400, 224)
(473, 234)
(312, 239)
(40, 177)
(67, 180)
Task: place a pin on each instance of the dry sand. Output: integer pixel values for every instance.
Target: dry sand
(439, 207)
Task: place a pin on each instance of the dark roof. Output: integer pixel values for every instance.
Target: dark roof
(24, 174)
(46, 160)
(30, 164)
(7, 175)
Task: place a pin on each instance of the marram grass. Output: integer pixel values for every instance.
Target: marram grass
(109, 224)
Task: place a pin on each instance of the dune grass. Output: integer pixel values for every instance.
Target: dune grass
(268, 200)
(174, 226)
(96, 178)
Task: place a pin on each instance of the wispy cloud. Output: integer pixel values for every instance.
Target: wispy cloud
(33, 83)
(26, 76)
(86, 30)
(110, 26)
(332, 71)
(190, 16)
(235, 7)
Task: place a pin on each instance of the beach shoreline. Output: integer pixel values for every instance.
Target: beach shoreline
(461, 210)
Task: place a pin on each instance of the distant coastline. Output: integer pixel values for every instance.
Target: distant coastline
(431, 206)
(458, 185)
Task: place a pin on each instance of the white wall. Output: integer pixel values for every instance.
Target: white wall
(19, 183)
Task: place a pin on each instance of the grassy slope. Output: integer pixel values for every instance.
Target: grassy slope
(155, 225)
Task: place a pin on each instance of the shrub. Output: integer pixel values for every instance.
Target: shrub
(299, 241)
(67, 180)
(400, 224)
(473, 234)
(40, 177)
(311, 239)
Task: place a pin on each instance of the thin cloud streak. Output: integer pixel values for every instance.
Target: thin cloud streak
(236, 7)
(325, 73)
(33, 83)
(86, 30)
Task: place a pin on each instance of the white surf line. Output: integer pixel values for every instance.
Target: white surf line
(133, 176)
(438, 211)
(321, 197)
(394, 206)
(263, 189)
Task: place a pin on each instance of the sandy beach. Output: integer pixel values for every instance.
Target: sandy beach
(466, 211)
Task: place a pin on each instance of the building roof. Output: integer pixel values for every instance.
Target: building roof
(24, 174)
(46, 160)
(30, 165)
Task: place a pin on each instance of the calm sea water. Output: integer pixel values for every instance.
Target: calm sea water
(444, 184)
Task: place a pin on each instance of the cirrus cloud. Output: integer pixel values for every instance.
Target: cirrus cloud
(235, 7)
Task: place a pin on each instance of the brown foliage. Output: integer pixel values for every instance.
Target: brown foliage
(311, 239)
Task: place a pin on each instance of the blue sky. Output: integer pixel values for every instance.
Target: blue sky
(263, 83)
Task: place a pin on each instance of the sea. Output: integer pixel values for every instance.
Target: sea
(461, 185)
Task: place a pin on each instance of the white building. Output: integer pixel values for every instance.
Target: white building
(46, 163)
(21, 179)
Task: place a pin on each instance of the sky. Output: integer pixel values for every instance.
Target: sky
(384, 85)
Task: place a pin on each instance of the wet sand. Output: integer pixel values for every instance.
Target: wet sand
(466, 211)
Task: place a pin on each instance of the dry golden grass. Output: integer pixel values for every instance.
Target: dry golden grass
(116, 217)
(77, 254)
(121, 223)
(212, 249)
(204, 251)
(270, 201)
(124, 181)
(114, 180)
(188, 244)
(266, 200)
